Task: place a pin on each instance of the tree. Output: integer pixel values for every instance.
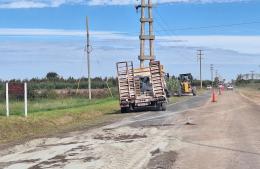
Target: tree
(216, 81)
(52, 76)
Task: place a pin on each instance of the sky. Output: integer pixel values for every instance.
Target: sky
(41, 36)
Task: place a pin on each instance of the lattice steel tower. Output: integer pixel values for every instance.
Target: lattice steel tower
(146, 19)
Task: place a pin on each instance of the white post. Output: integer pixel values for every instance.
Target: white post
(7, 99)
(25, 100)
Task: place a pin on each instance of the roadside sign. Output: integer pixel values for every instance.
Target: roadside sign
(16, 89)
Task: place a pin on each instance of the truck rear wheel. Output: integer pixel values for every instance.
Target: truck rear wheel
(179, 92)
(194, 92)
(124, 109)
(158, 106)
(163, 106)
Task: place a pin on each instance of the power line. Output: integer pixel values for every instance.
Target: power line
(205, 27)
(214, 26)
(163, 24)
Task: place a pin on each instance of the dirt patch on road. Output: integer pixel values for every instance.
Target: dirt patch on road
(190, 124)
(56, 161)
(163, 161)
(158, 125)
(6, 164)
(120, 137)
(60, 161)
(157, 151)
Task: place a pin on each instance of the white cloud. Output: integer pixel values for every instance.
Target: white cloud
(15, 4)
(62, 32)
(241, 44)
(30, 58)
(26, 59)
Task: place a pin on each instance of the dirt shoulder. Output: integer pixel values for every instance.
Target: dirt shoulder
(223, 135)
(250, 94)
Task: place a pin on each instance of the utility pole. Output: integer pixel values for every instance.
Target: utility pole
(217, 76)
(252, 74)
(200, 58)
(247, 76)
(143, 37)
(88, 59)
(212, 69)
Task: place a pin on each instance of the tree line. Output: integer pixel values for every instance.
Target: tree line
(54, 81)
(46, 87)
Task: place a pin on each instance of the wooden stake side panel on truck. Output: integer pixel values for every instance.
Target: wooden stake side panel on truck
(142, 87)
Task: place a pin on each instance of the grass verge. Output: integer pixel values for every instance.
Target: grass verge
(252, 93)
(51, 116)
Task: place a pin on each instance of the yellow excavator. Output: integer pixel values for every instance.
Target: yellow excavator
(185, 85)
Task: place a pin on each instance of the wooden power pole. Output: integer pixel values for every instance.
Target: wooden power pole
(216, 74)
(88, 59)
(143, 37)
(212, 74)
(252, 74)
(200, 58)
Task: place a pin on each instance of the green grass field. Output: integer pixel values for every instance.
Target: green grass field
(40, 106)
(54, 115)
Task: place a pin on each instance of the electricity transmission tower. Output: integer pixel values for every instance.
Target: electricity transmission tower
(200, 58)
(146, 18)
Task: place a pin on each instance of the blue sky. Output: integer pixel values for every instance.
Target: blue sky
(38, 36)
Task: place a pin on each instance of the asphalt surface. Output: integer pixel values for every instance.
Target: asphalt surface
(193, 134)
(157, 118)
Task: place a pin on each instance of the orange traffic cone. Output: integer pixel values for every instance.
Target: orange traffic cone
(214, 97)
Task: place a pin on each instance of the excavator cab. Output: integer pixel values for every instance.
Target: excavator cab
(185, 85)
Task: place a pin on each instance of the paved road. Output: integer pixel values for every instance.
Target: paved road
(193, 134)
